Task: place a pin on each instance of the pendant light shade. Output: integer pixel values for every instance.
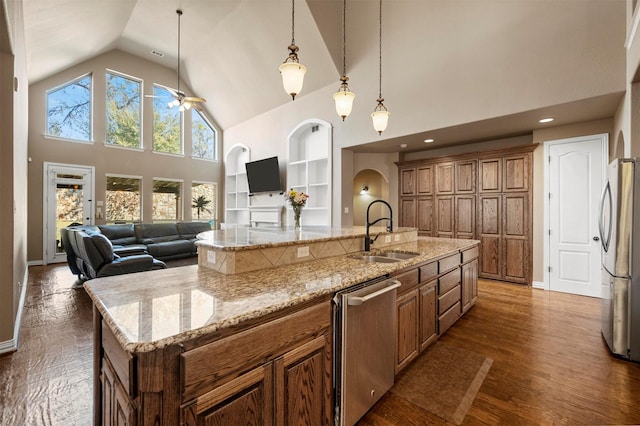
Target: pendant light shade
(380, 115)
(344, 97)
(291, 69)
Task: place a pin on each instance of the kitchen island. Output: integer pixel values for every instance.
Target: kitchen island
(192, 344)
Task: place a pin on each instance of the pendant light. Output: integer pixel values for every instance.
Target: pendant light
(343, 97)
(380, 115)
(292, 71)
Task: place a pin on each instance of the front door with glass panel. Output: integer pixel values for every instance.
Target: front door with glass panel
(68, 199)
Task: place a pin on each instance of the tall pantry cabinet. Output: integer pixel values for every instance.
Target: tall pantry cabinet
(484, 196)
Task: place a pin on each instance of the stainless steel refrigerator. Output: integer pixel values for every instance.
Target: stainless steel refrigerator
(619, 224)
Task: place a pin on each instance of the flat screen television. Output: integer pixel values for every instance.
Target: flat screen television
(264, 175)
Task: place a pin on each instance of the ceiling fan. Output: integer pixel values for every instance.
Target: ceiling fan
(181, 100)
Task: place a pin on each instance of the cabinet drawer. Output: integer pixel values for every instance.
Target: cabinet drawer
(448, 263)
(428, 272)
(448, 318)
(122, 361)
(448, 281)
(448, 300)
(469, 255)
(408, 280)
(219, 362)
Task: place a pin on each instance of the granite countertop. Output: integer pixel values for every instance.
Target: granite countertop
(248, 238)
(151, 310)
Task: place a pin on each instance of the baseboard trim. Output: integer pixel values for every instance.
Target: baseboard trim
(12, 345)
(538, 284)
(35, 262)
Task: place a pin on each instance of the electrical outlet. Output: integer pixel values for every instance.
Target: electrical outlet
(346, 210)
(396, 237)
(303, 251)
(387, 238)
(211, 257)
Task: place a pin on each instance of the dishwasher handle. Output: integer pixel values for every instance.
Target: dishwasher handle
(359, 300)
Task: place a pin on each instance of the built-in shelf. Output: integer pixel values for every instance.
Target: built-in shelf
(309, 171)
(237, 186)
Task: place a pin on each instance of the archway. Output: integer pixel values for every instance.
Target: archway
(377, 188)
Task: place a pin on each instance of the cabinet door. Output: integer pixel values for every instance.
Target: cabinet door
(445, 178)
(124, 412)
(465, 216)
(469, 284)
(445, 216)
(408, 212)
(246, 400)
(407, 333)
(490, 235)
(425, 215)
(514, 234)
(425, 180)
(428, 314)
(517, 172)
(303, 384)
(107, 379)
(490, 175)
(465, 180)
(408, 182)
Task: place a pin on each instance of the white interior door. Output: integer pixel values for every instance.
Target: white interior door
(575, 177)
(68, 198)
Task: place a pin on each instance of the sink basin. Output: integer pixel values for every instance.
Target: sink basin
(398, 255)
(375, 259)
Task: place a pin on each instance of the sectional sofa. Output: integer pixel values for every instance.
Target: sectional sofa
(104, 250)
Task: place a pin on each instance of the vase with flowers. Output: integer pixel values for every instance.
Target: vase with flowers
(297, 200)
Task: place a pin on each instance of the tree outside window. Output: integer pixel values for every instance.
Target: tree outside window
(123, 200)
(203, 137)
(167, 200)
(69, 110)
(203, 203)
(167, 123)
(123, 111)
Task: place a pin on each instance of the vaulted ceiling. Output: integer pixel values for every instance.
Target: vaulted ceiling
(231, 50)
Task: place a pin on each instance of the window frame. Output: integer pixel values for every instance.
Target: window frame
(46, 133)
(106, 110)
(118, 175)
(179, 214)
(182, 126)
(215, 200)
(215, 138)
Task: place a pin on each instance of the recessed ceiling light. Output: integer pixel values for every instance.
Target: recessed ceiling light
(403, 145)
(546, 120)
(428, 140)
(157, 53)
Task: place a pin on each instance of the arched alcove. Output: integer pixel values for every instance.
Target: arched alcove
(618, 147)
(309, 170)
(236, 188)
(377, 188)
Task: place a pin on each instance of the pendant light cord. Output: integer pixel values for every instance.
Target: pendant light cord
(344, 38)
(293, 22)
(380, 51)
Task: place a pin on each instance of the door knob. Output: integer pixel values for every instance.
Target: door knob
(596, 238)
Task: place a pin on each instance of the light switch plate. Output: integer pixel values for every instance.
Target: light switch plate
(303, 251)
(346, 210)
(396, 237)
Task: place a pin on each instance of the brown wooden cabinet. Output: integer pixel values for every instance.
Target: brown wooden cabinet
(427, 309)
(408, 181)
(407, 347)
(117, 407)
(484, 196)
(425, 180)
(469, 279)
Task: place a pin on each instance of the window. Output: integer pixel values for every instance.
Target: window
(203, 137)
(123, 111)
(167, 123)
(167, 200)
(123, 202)
(203, 203)
(69, 110)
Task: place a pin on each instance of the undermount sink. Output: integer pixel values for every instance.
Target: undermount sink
(399, 255)
(374, 259)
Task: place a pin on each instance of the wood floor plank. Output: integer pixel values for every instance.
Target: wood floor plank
(550, 363)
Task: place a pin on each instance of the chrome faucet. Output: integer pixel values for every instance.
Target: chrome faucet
(367, 240)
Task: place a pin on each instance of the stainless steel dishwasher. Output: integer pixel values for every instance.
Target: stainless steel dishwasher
(364, 344)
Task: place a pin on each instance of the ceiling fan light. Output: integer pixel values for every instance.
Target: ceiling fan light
(344, 102)
(292, 77)
(187, 105)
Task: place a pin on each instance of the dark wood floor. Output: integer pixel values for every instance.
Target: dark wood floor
(550, 364)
